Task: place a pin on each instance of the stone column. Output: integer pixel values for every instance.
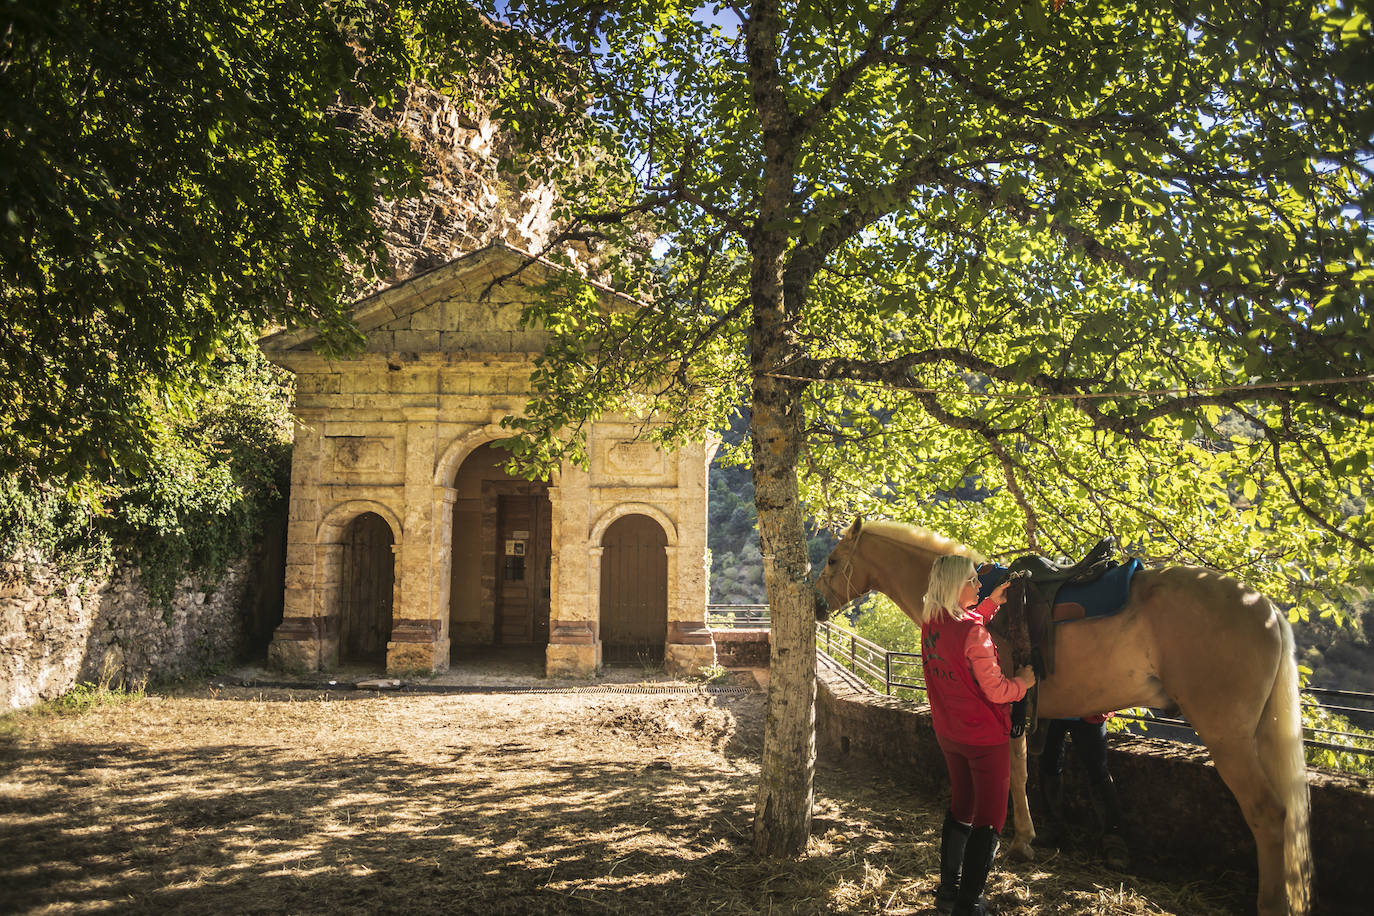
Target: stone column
(574, 639)
(689, 646)
(419, 638)
(308, 637)
(441, 586)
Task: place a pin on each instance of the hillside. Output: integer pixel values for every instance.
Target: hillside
(732, 527)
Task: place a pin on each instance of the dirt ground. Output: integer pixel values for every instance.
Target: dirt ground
(625, 798)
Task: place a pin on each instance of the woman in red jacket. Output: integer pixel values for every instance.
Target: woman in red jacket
(969, 698)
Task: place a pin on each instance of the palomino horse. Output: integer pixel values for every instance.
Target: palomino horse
(1188, 637)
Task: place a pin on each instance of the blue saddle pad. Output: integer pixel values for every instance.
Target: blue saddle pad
(1101, 598)
(989, 575)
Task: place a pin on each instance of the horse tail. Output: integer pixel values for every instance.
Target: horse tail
(1281, 755)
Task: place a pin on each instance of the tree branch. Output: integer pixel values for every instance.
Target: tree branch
(1276, 447)
(875, 52)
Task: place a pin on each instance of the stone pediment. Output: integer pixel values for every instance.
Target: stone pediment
(471, 305)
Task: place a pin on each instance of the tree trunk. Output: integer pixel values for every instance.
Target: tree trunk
(782, 813)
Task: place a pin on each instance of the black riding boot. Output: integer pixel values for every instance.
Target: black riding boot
(953, 838)
(1051, 829)
(978, 855)
(1107, 807)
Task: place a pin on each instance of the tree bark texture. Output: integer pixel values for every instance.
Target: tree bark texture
(782, 815)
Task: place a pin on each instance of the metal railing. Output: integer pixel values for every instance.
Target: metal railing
(900, 674)
(896, 673)
(737, 616)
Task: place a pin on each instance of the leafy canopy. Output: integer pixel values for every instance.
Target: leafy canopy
(1043, 274)
(173, 180)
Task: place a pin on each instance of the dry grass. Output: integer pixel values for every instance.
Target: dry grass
(271, 801)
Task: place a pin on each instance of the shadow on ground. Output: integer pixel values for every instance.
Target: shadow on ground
(235, 802)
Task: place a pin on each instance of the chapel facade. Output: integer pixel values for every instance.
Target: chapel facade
(407, 542)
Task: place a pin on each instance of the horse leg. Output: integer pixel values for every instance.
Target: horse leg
(1020, 808)
(1238, 763)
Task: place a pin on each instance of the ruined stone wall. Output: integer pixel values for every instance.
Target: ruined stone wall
(741, 648)
(56, 633)
(466, 202)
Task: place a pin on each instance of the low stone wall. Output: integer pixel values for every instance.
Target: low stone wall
(55, 633)
(741, 648)
(1183, 819)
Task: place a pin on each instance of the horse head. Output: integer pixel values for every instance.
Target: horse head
(838, 584)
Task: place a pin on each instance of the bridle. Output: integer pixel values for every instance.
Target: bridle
(848, 574)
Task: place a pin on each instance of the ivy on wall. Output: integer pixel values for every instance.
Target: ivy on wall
(221, 465)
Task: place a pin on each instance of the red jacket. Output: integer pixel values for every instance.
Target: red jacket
(968, 693)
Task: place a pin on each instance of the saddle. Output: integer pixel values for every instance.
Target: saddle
(1027, 621)
(1043, 579)
(1044, 573)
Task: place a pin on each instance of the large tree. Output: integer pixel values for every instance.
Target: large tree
(1024, 271)
(175, 175)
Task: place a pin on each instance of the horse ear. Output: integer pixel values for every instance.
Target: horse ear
(854, 528)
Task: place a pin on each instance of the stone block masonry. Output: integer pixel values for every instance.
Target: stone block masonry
(56, 633)
(398, 435)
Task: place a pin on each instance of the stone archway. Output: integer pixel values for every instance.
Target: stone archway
(500, 559)
(346, 551)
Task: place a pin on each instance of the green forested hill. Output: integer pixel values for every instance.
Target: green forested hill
(732, 527)
(1341, 657)
(736, 567)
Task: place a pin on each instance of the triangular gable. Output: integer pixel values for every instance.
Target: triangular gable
(471, 304)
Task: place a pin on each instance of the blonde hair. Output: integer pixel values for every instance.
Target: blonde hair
(947, 577)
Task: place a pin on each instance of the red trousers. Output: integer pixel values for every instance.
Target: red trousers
(980, 778)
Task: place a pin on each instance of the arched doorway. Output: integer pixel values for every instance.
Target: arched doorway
(634, 591)
(368, 581)
(501, 557)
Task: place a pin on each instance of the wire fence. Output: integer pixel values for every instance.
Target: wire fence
(1329, 715)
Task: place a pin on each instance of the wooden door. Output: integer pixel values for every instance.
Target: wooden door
(368, 586)
(634, 591)
(523, 561)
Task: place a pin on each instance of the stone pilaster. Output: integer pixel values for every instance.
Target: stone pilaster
(303, 640)
(574, 633)
(419, 628)
(689, 646)
(441, 579)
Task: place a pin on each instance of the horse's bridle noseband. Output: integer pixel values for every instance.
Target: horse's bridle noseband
(849, 574)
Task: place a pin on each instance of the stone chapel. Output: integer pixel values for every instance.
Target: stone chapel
(407, 541)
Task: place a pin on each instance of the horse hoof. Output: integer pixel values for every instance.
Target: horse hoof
(1021, 851)
(1116, 852)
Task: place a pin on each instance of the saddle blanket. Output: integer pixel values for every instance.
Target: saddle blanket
(1100, 598)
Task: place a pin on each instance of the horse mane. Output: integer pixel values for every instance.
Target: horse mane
(920, 538)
